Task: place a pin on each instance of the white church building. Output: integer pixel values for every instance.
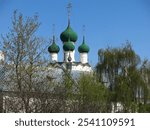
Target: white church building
(69, 38)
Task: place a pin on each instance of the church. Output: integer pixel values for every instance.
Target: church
(68, 62)
(69, 38)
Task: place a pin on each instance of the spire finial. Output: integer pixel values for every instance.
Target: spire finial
(53, 31)
(83, 39)
(83, 30)
(53, 39)
(69, 7)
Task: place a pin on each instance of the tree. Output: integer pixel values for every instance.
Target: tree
(119, 69)
(145, 73)
(23, 57)
(92, 94)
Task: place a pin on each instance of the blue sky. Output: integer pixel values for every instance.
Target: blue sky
(108, 22)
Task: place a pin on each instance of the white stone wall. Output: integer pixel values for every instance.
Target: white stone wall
(83, 58)
(54, 57)
(57, 72)
(82, 68)
(2, 57)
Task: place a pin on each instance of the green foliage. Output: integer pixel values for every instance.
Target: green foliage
(115, 61)
(120, 70)
(68, 83)
(93, 95)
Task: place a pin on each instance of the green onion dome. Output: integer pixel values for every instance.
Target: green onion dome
(83, 47)
(68, 33)
(54, 48)
(68, 46)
